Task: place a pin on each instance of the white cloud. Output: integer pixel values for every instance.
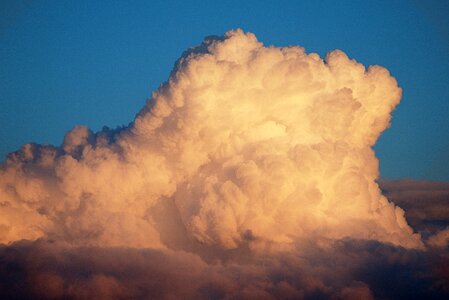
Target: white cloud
(242, 138)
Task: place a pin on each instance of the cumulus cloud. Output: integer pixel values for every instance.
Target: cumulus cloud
(242, 172)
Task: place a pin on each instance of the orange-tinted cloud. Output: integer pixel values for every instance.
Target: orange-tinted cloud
(249, 174)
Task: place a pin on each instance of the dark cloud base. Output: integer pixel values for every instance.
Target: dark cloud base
(347, 269)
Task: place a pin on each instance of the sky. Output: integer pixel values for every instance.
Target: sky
(233, 166)
(95, 63)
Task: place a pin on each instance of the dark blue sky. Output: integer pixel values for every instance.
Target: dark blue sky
(64, 63)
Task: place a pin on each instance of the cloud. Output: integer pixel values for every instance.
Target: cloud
(426, 203)
(248, 174)
(347, 269)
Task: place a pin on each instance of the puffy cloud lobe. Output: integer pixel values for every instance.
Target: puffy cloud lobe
(246, 152)
(426, 204)
(441, 239)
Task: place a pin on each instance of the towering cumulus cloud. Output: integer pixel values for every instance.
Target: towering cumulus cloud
(246, 174)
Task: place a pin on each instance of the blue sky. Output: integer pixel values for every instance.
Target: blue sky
(64, 63)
